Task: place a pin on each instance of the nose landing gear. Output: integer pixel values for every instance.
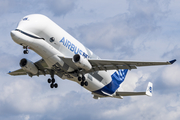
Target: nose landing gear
(26, 50)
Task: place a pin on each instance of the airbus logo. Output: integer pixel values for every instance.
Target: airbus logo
(150, 89)
(72, 47)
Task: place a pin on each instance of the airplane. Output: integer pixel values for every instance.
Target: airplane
(66, 57)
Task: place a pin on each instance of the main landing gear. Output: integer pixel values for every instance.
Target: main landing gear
(82, 79)
(26, 50)
(52, 81)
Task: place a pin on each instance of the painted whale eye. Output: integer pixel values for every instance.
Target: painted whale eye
(52, 39)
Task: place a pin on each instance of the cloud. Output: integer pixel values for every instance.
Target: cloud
(126, 33)
(146, 108)
(61, 7)
(171, 76)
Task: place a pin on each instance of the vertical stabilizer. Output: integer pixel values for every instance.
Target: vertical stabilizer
(119, 76)
(149, 89)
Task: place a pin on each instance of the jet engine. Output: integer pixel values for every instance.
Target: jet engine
(28, 66)
(81, 62)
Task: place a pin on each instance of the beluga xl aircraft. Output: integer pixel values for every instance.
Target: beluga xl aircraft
(66, 57)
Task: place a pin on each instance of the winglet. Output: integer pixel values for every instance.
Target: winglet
(172, 61)
(149, 89)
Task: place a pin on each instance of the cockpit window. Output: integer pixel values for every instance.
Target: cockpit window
(26, 18)
(52, 39)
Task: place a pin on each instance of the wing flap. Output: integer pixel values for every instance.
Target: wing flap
(112, 67)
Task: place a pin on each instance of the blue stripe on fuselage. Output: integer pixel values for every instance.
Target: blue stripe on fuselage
(117, 78)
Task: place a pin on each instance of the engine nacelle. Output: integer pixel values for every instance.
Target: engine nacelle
(81, 62)
(28, 66)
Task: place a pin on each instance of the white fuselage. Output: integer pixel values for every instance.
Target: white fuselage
(50, 41)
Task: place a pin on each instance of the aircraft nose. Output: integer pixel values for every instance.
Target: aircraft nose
(15, 37)
(12, 33)
(18, 37)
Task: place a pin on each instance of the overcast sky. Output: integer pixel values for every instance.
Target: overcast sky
(143, 30)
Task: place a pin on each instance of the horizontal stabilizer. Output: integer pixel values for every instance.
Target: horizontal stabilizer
(148, 92)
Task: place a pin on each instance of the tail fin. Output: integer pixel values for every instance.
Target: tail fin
(119, 75)
(149, 89)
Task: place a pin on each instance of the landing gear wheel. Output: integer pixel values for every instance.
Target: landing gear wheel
(79, 79)
(55, 85)
(86, 83)
(51, 85)
(49, 80)
(82, 83)
(25, 51)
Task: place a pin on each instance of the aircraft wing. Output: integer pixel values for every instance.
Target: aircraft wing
(100, 64)
(17, 72)
(110, 64)
(41, 66)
